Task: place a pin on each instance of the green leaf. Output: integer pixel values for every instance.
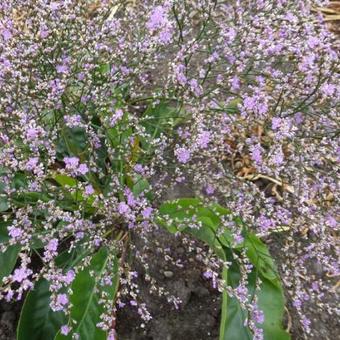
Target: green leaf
(271, 301)
(20, 181)
(161, 117)
(270, 296)
(8, 260)
(141, 186)
(64, 180)
(3, 204)
(186, 210)
(86, 309)
(233, 316)
(3, 231)
(29, 198)
(260, 257)
(37, 320)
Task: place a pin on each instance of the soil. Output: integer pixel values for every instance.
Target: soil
(198, 314)
(9, 316)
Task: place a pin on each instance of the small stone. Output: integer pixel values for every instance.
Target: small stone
(169, 274)
(180, 250)
(201, 292)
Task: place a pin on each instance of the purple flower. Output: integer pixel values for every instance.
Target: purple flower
(116, 117)
(7, 35)
(32, 163)
(54, 6)
(238, 239)
(328, 89)
(235, 84)
(209, 189)
(306, 323)
(297, 303)
(69, 277)
(147, 212)
(183, 155)
(15, 233)
(180, 74)
(276, 122)
(139, 168)
(278, 157)
(44, 33)
(64, 330)
(203, 139)
(313, 42)
(111, 335)
(256, 154)
(73, 121)
(83, 169)
(258, 315)
(32, 133)
(52, 246)
(71, 162)
(242, 293)
(62, 299)
(21, 274)
(89, 190)
(123, 208)
(249, 103)
(62, 69)
(195, 87)
(315, 286)
(157, 18)
(332, 222)
(165, 37)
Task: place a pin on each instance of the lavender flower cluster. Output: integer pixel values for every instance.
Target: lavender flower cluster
(106, 107)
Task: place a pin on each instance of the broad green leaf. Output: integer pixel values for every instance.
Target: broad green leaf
(233, 316)
(270, 296)
(86, 288)
(3, 231)
(64, 180)
(260, 257)
(185, 210)
(271, 302)
(3, 204)
(141, 186)
(8, 260)
(72, 141)
(20, 180)
(159, 118)
(29, 198)
(37, 320)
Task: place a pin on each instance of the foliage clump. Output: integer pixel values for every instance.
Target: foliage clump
(105, 107)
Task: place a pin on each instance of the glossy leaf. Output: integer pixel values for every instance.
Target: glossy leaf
(271, 302)
(3, 204)
(86, 309)
(64, 180)
(8, 260)
(260, 257)
(232, 316)
(37, 320)
(3, 231)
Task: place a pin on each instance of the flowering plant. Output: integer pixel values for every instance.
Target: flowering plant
(235, 101)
